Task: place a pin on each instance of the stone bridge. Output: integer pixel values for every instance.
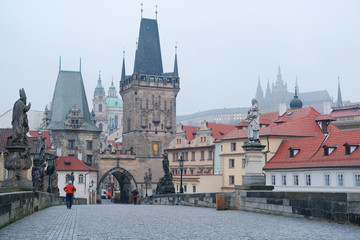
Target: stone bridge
(127, 221)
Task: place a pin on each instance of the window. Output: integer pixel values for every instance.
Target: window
(273, 182)
(71, 144)
(296, 180)
(233, 147)
(231, 180)
(68, 178)
(243, 163)
(149, 125)
(100, 107)
(293, 152)
(192, 156)
(81, 178)
(156, 149)
(194, 188)
(185, 188)
(178, 141)
(357, 179)
(89, 159)
(89, 145)
(210, 155)
(328, 150)
(231, 163)
(174, 159)
(176, 156)
(202, 155)
(283, 180)
(340, 178)
(184, 171)
(191, 171)
(186, 156)
(308, 180)
(327, 179)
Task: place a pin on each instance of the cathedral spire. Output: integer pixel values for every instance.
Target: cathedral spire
(259, 96)
(176, 72)
(59, 63)
(297, 85)
(339, 102)
(123, 68)
(80, 66)
(279, 81)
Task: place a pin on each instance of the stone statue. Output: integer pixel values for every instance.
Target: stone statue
(37, 172)
(165, 184)
(253, 118)
(72, 177)
(165, 163)
(19, 120)
(52, 176)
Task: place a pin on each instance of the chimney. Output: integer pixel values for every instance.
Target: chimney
(327, 107)
(282, 109)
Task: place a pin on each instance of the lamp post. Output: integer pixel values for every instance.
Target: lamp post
(146, 180)
(49, 171)
(181, 163)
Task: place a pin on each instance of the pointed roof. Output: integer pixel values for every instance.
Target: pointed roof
(279, 81)
(123, 68)
(148, 53)
(176, 73)
(259, 96)
(69, 91)
(99, 90)
(296, 103)
(339, 102)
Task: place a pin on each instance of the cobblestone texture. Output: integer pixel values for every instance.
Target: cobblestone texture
(109, 221)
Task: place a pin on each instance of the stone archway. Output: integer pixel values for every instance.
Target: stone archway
(126, 182)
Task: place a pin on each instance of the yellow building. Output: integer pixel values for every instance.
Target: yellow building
(197, 148)
(273, 130)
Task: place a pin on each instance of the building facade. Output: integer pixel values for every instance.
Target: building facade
(108, 111)
(328, 163)
(71, 125)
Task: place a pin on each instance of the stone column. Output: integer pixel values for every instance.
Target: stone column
(17, 163)
(254, 164)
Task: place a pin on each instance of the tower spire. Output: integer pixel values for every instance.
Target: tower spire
(279, 81)
(60, 64)
(80, 66)
(142, 10)
(176, 72)
(123, 67)
(339, 102)
(259, 96)
(156, 12)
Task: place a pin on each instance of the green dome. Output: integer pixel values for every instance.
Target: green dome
(114, 102)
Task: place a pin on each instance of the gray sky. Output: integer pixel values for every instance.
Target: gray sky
(224, 46)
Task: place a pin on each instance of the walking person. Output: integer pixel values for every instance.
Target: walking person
(70, 189)
(135, 195)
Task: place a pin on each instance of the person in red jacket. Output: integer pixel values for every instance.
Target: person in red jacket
(70, 189)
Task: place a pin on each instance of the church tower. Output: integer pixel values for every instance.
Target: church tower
(279, 91)
(99, 103)
(149, 98)
(259, 95)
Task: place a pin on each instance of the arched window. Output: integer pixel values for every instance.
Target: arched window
(81, 178)
(101, 126)
(116, 121)
(68, 178)
(100, 107)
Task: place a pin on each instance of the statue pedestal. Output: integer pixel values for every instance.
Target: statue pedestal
(254, 164)
(17, 163)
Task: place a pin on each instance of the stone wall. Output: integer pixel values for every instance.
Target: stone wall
(16, 205)
(196, 199)
(339, 207)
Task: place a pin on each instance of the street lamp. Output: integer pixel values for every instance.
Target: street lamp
(181, 163)
(146, 180)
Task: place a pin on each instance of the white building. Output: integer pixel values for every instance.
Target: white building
(323, 164)
(85, 177)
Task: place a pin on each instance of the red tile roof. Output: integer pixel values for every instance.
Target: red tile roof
(44, 133)
(75, 164)
(190, 132)
(345, 113)
(298, 122)
(311, 154)
(219, 130)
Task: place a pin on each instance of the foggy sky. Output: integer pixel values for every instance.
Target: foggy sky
(223, 47)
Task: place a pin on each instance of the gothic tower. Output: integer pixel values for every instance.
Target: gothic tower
(149, 98)
(259, 96)
(279, 91)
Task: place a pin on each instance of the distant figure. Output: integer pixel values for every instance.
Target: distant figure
(19, 120)
(70, 189)
(135, 195)
(253, 118)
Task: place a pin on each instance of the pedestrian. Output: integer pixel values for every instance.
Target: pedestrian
(135, 195)
(70, 189)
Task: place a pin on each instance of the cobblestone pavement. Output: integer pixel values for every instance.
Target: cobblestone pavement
(115, 221)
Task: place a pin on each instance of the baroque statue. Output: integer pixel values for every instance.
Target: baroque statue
(38, 172)
(165, 184)
(20, 121)
(253, 117)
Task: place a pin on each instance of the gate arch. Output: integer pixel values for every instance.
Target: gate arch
(125, 179)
